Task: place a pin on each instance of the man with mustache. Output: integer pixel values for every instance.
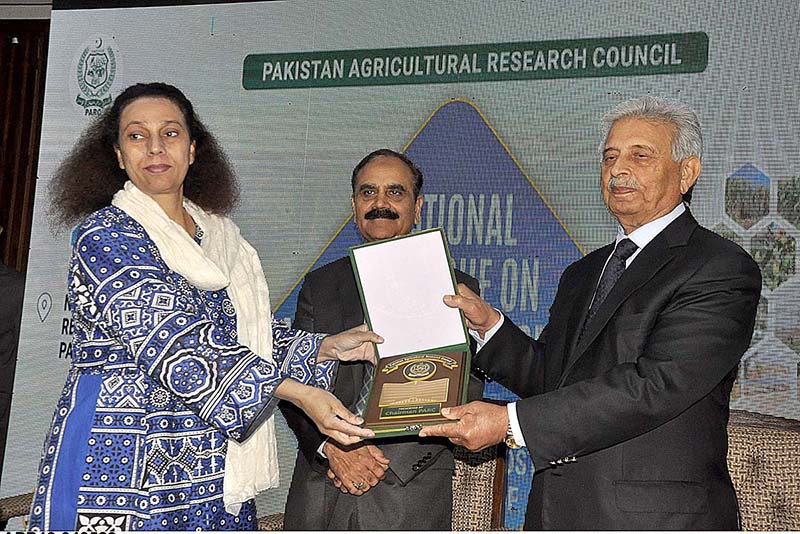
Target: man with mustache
(392, 484)
(625, 394)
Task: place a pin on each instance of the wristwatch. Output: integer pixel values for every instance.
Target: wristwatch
(510, 442)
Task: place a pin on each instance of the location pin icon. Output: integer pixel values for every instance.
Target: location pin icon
(43, 305)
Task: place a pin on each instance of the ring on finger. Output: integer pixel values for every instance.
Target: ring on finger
(358, 485)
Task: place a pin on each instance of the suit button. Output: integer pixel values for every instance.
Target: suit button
(415, 467)
(428, 455)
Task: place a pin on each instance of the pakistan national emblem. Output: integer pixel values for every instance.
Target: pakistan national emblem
(96, 69)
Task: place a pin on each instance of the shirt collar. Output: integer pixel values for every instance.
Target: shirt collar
(646, 233)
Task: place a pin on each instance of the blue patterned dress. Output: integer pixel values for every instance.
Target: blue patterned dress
(157, 386)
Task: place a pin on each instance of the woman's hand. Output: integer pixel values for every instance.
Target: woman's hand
(327, 412)
(353, 344)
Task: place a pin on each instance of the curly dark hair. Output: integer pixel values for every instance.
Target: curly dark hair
(88, 177)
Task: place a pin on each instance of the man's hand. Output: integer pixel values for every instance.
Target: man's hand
(480, 425)
(353, 344)
(480, 316)
(355, 470)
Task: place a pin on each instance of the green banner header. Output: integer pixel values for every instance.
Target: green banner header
(674, 53)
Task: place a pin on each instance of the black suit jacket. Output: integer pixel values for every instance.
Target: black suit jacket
(329, 302)
(627, 426)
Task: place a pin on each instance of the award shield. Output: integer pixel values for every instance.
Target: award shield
(423, 364)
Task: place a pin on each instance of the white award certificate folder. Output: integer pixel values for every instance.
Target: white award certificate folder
(402, 283)
(423, 363)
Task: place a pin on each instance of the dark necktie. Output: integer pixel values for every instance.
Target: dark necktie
(612, 273)
(363, 395)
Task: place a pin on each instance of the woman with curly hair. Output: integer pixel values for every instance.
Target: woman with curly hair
(165, 419)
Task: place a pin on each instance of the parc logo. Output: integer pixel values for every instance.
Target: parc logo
(96, 66)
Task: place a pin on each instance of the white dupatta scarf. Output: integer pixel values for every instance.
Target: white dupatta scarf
(224, 261)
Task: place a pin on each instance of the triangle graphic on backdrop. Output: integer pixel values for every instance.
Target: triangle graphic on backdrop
(499, 227)
(492, 211)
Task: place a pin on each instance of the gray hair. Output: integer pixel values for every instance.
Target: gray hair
(688, 140)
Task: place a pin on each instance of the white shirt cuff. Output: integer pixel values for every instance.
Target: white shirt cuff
(516, 431)
(320, 452)
(489, 333)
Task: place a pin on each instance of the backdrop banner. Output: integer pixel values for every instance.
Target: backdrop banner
(499, 103)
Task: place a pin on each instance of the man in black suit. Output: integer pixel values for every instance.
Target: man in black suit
(625, 394)
(401, 483)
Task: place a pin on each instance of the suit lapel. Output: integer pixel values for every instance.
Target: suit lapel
(351, 311)
(580, 298)
(658, 253)
(351, 315)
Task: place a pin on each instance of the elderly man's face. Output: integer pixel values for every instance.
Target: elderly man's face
(383, 201)
(641, 182)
